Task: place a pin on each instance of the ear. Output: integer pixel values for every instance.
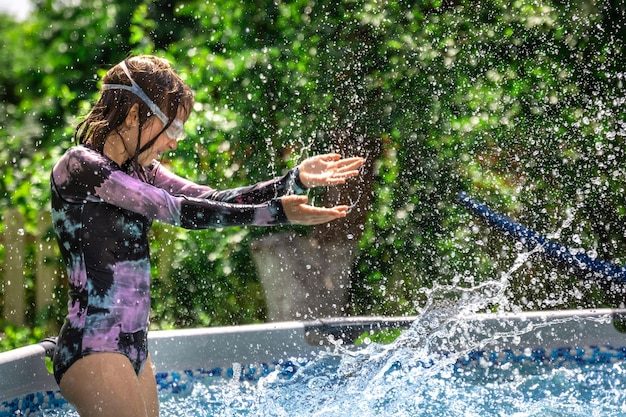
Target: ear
(132, 118)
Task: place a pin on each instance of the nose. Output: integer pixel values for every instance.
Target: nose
(172, 144)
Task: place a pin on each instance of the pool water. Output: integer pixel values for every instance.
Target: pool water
(328, 386)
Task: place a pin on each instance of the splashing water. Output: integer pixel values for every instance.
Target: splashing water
(416, 375)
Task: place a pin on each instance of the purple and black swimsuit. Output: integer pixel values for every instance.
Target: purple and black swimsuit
(101, 214)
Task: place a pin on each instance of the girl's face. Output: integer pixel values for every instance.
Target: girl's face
(162, 144)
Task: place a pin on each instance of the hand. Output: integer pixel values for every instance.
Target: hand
(328, 169)
(298, 211)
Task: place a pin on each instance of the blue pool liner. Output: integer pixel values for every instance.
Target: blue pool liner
(578, 261)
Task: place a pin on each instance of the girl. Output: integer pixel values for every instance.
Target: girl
(105, 194)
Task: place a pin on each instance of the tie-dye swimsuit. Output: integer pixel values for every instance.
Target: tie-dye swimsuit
(101, 214)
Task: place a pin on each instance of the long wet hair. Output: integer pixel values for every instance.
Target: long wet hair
(156, 78)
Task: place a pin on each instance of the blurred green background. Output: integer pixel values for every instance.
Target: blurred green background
(520, 103)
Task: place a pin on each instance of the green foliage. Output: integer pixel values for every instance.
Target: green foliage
(519, 103)
(14, 337)
(495, 100)
(381, 336)
(212, 282)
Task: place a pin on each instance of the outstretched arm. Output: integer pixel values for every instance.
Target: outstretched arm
(317, 171)
(84, 175)
(253, 194)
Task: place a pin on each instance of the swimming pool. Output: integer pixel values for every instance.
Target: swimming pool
(557, 363)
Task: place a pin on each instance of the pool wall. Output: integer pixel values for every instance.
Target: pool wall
(564, 335)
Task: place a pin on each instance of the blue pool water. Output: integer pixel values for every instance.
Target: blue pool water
(559, 383)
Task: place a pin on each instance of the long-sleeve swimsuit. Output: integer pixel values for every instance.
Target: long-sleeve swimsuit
(101, 214)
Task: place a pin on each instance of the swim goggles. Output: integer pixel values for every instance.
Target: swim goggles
(175, 130)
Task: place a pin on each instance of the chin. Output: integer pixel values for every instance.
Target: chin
(146, 162)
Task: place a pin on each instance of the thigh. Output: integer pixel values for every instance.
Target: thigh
(104, 385)
(147, 384)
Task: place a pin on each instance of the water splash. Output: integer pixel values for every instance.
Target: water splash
(404, 377)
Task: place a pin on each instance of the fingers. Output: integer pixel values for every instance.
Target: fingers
(295, 199)
(302, 200)
(349, 164)
(329, 169)
(342, 209)
(319, 215)
(355, 161)
(299, 212)
(330, 157)
(340, 178)
(339, 211)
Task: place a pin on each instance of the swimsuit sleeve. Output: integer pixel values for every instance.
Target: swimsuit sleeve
(253, 194)
(83, 176)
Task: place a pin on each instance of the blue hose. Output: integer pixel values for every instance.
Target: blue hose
(581, 262)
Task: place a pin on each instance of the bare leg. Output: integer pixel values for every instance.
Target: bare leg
(147, 384)
(104, 385)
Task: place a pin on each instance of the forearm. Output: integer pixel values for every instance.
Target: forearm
(252, 194)
(201, 214)
(263, 191)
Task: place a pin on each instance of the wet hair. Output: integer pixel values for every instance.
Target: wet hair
(156, 78)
